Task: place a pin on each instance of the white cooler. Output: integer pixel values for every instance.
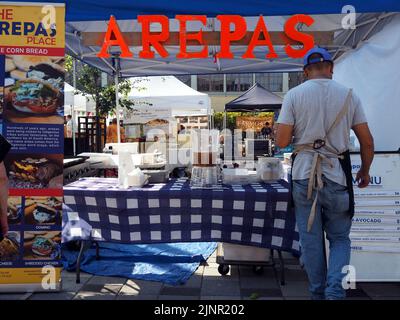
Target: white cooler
(237, 252)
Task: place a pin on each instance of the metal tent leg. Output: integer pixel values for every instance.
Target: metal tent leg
(282, 267)
(78, 262)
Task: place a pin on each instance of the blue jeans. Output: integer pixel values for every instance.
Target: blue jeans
(333, 218)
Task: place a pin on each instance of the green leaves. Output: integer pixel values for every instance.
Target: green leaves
(89, 84)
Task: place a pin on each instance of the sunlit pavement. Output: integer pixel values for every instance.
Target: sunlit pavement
(206, 284)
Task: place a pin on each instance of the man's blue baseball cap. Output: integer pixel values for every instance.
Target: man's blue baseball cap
(324, 56)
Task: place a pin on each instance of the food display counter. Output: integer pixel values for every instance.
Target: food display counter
(258, 214)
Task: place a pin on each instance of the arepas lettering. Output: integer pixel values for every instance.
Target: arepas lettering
(35, 34)
(260, 37)
(16, 28)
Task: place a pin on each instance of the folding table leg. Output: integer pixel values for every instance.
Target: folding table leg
(282, 267)
(78, 262)
(272, 257)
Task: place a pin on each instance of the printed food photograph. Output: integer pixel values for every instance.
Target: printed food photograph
(14, 210)
(43, 210)
(9, 247)
(42, 245)
(35, 171)
(34, 89)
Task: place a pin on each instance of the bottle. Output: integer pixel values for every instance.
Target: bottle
(109, 150)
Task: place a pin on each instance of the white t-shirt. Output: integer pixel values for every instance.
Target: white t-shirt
(311, 108)
(69, 128)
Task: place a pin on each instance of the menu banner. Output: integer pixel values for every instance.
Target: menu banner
(375, 239)
(148, 116)
(358, 219)
(32, 39)
(255, 123)
(377, 248)
(34, 30)
(378, 212)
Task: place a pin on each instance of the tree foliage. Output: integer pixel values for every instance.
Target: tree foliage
(88, 80)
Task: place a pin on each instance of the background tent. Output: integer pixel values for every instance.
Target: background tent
(257, 98)
(80, 103)
(168, 92)
(371, 70)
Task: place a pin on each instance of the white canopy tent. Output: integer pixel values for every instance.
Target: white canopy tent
(370, 70)
(169, 93)
(75, 101)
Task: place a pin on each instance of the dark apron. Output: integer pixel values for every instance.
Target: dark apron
(345, 163)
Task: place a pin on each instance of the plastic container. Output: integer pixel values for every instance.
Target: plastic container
(136, 178)
(204, 176)
(269, 169)
(239, 176)
(205, 147)
(156, 176)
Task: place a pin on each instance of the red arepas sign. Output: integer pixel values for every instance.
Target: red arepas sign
(233, 30)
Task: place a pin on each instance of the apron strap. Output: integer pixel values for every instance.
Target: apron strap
(341, 114)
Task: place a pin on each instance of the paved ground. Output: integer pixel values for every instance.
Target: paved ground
(206, 284)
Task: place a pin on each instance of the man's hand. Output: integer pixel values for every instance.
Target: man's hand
(362, 179)
(284, 134)
(367, 153)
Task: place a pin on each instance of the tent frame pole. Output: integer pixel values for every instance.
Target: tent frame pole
(224, 134)
(224, 126)
(73, 106)
(117, 109)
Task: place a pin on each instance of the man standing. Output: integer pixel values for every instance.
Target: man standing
(266, 130)
(70, 126)
(112, 132)
(319, 114)
(182, 129)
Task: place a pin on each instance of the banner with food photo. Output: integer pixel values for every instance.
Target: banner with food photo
(34, 103)
(32, 118)
(255, 123)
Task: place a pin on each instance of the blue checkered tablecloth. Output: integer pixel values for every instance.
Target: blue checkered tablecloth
(256, 214)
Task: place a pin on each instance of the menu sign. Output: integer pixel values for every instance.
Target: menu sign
(255, 123)
(32, 41)
(147, 115)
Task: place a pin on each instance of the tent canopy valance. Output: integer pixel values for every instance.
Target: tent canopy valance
(91, 16)
(329, 27)
(100, 10)
(257, 98)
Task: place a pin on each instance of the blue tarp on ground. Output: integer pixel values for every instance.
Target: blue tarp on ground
(170, 263)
